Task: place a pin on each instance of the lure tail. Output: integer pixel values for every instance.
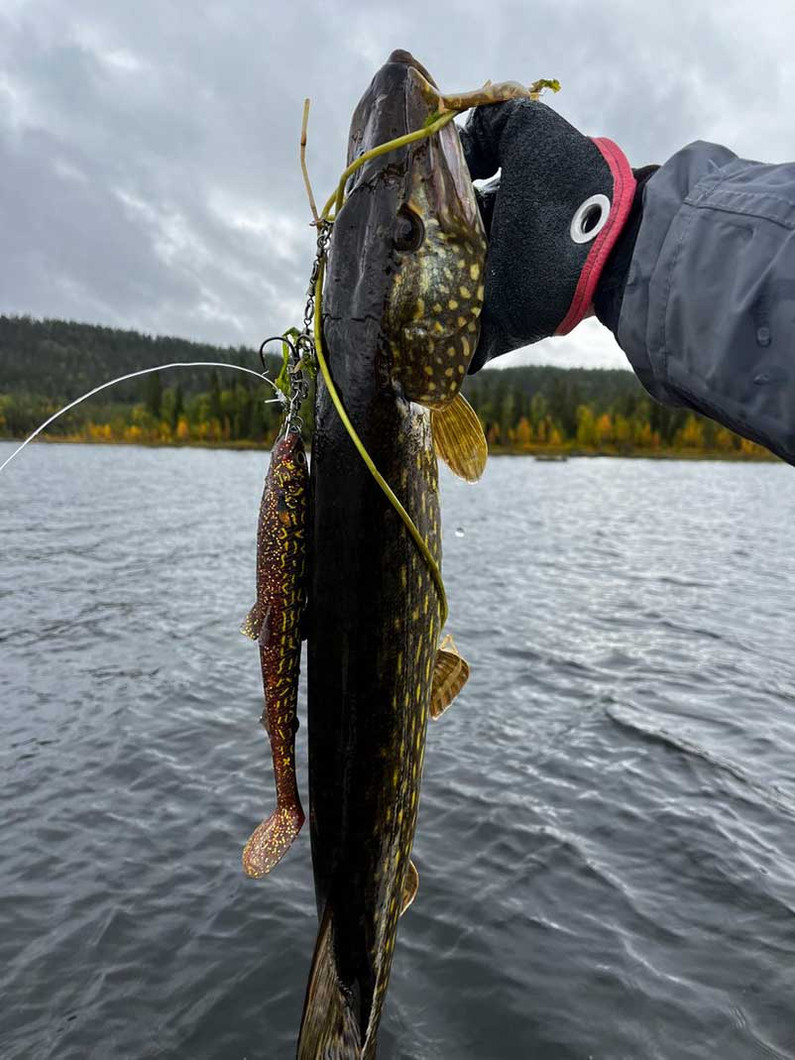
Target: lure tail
(329, 1027)
(271, 840)
(274, 622)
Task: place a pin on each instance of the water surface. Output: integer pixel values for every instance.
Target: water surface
(606, 843)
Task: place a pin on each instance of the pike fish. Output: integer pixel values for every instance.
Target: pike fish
(275, 622)
(402, 300)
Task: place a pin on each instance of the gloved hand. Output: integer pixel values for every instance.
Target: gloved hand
(553, 218)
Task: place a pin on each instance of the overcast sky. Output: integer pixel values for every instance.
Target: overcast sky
(149, 150)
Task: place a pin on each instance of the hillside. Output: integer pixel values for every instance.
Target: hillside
(46, 363)
(61, 359)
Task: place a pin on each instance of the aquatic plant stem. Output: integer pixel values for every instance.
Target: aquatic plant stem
(337, 199)
(417, 537)
(304, 170)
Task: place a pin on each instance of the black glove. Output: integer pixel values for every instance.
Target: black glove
(553, 218)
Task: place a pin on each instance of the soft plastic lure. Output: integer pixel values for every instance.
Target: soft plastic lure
(275, 622)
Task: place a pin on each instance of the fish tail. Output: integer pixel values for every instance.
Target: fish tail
(329, 1028)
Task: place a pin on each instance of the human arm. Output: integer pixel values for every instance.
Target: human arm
(707, 313)
(698, 282)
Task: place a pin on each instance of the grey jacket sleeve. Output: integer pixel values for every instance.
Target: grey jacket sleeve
(708, 314)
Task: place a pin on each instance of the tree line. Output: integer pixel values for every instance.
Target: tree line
(591, 410)
(45, 364)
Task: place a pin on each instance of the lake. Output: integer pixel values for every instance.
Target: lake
(606, 843)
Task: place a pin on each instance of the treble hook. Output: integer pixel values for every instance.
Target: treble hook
(281, 398)
(277, 338)
(299, 387)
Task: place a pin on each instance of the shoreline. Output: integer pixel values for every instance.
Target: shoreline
(550, 454)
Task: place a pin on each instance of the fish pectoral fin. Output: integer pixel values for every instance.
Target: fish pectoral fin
(329, 1025)
(271, 840)
(255, 624)
(450, 674)
(410, 886)
(459, 440)
(252, 623)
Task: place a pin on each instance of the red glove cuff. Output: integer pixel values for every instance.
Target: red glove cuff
(623, 194)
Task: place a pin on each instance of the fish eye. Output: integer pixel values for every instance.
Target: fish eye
(409, 230)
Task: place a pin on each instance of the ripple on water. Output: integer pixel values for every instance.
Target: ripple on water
(606, 843)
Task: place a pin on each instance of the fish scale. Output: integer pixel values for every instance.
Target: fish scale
(375, 620)
(407, 239)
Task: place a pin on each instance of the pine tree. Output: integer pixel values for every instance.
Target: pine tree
(216, 412)
(178, 409)
(153, 394)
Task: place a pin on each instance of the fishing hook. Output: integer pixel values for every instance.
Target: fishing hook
(280, 398)
(277, 338)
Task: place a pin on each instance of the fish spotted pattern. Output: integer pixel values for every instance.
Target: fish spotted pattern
(275, 622)
(401, 307)
(435, 305)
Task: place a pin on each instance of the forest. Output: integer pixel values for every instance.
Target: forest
(541, 409)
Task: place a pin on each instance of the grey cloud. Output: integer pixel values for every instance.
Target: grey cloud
(149, 150)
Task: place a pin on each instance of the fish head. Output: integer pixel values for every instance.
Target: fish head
(439, 252)
(427, 222)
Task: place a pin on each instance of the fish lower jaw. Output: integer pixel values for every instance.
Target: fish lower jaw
(428, 338)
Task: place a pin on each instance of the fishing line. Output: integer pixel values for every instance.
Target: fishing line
(133, 375)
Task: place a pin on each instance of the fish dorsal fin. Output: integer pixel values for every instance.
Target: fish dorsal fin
(459, 440)
(255, 624)
(410, 886)
(450, 674)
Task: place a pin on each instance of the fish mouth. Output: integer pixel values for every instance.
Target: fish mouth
(399, 100)
(430, 174)
(405, 58)
(387, 109)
